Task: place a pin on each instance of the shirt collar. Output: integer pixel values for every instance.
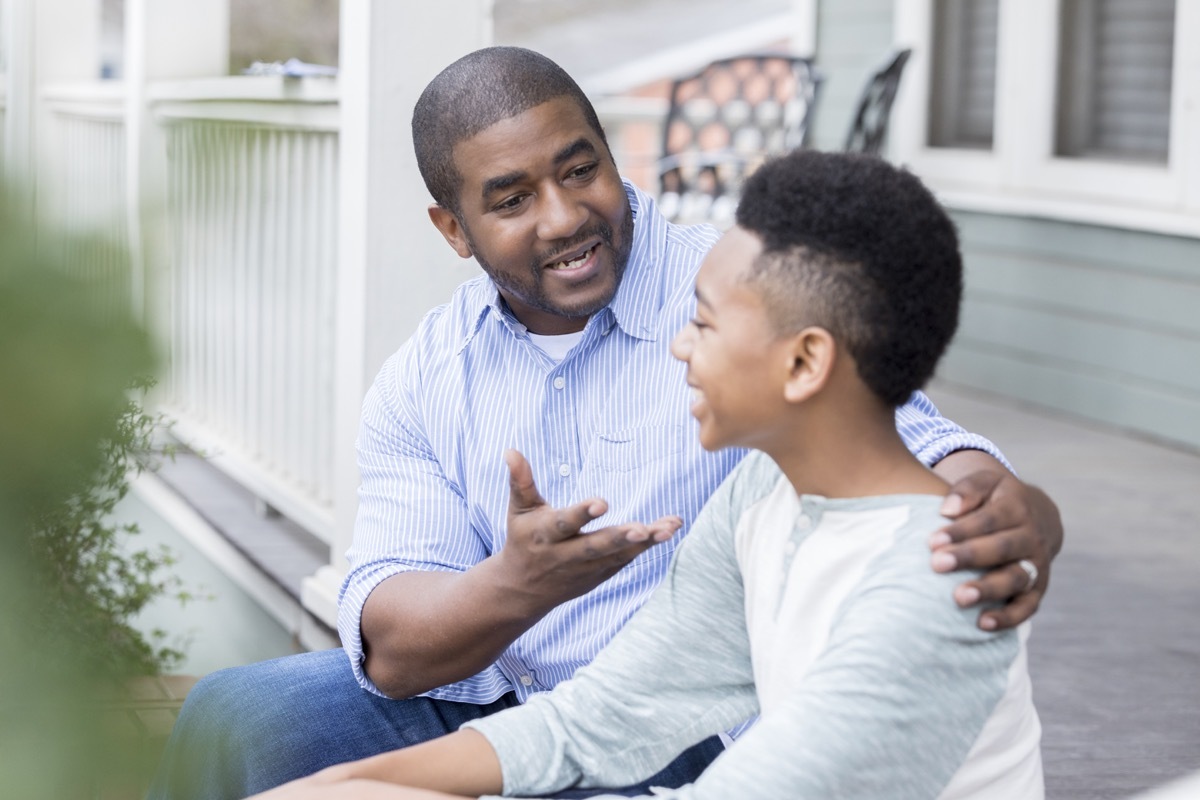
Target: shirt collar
(635, 306)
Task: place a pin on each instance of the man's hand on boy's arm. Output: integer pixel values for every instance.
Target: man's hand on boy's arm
(998, 521)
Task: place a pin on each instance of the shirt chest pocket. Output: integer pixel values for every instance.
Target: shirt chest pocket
(629, 449)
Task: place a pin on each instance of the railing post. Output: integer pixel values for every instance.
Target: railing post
(164, 40)
(48, 42)
(392, 264)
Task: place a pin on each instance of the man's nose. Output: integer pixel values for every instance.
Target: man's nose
(561, 215)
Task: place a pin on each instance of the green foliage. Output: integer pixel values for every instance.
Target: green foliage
(69, 353)
(94, 585)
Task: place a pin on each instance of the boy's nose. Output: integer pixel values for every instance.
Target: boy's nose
(561, 217)
(681, 345)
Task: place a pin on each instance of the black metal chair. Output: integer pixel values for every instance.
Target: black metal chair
(723, 122)
(869, 129)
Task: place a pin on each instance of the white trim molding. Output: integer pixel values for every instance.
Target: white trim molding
(1020, 174)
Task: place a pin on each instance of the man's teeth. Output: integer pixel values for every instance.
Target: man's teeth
(575, 262)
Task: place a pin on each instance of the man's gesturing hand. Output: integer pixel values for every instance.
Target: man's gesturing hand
(547, 559)
(998, 522)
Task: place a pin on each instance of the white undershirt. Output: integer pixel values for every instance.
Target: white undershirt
(558, 346)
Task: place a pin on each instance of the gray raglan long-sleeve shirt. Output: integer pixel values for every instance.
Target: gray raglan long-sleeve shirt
(820, 615)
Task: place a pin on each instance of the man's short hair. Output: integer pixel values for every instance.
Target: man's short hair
(474, 93)
(861, 248)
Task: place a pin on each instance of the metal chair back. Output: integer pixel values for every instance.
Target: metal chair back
(868, 131)
(725, 120)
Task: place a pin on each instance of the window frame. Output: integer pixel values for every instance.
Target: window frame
(1021, 174)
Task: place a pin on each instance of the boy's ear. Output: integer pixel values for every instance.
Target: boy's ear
(812, 353)
(451, 229)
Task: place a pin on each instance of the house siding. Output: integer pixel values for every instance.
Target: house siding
(1093, 321)
(853, 38)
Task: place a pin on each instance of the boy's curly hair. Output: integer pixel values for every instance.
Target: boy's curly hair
(861, 248)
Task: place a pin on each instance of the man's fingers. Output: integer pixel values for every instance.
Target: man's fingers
(570, 519)
(970, 492)
(998, 586)
(524, 495)
(987, 552)
(1020, 609)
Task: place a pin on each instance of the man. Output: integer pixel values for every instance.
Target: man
(465, 595)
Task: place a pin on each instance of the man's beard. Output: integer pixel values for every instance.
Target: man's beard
(532, 292)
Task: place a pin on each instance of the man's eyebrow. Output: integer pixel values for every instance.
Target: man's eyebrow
(501, 182)
(700, 299)
(580, 145)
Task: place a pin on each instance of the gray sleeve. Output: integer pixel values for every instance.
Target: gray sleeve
(890, 709)
(677, 673)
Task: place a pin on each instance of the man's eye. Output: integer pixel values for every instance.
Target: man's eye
(584, 171)
(698, 324)
(509, 203)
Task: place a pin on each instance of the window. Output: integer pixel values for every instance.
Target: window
(963, 100)
(1114, 79)
(1085, 110)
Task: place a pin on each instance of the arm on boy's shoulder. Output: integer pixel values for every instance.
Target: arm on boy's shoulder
(998, 520)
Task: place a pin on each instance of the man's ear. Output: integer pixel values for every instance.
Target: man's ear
(812, 353)
(451, 229)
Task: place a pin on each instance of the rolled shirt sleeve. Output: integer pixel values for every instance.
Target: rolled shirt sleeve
(410, 515)
(931, 437)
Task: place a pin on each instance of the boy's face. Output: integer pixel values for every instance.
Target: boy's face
(545, 214)
(737, 364)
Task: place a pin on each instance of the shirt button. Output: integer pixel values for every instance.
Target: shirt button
(803, 521)
(790, 548)
(564, 470)
(560, 382)
(526, 680)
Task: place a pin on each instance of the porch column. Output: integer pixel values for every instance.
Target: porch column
(48, 42)
(393, 266)
(164, 40)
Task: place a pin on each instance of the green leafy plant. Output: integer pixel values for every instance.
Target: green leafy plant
(95, 584)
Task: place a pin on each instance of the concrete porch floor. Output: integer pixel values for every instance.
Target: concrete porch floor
(1115, 650)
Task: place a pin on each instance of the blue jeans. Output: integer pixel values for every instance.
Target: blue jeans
(247, 729)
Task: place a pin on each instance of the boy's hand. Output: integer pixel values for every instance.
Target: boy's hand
(546, 556)
(998, 522)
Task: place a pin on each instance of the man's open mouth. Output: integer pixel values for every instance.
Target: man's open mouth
(574, 261)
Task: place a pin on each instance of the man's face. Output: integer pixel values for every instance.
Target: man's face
(544, 212)
(737, 364)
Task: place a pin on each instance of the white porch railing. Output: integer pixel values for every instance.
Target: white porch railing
(250, 286)
(86, 189)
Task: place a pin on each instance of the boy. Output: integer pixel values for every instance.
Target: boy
(797, 594)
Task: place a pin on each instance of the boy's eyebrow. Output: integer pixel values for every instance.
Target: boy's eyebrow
(502, 182)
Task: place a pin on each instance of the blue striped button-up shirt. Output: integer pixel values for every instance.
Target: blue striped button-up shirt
(610, 420)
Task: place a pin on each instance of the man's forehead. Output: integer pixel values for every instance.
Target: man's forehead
(549, 132)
